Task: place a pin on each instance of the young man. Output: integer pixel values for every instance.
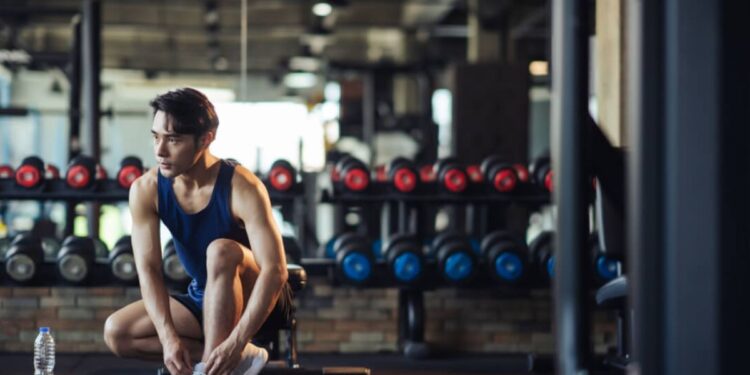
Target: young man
(224, 233)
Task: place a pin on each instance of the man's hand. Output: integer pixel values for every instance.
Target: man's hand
(225, 357)
(177, 357)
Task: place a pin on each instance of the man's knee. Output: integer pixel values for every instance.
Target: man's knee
(116, 336)
(223, 255)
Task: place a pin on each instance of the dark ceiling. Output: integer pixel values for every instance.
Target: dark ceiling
(205, 35)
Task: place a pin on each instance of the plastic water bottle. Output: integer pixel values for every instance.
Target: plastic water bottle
(44, 352)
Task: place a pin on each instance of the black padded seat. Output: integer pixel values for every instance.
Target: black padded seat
(613, 293)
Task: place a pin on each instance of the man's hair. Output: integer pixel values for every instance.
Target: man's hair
(189, 110)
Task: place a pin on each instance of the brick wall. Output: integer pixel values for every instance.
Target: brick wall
(330, 319)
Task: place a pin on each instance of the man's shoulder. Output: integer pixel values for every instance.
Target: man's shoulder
(246, 181)
(147, 181)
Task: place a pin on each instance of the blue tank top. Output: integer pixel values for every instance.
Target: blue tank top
(192, 233)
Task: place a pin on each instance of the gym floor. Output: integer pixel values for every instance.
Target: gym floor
(379, 364)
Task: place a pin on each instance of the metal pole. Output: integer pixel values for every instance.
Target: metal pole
(570, 56)
(91, 30)
(74, 112)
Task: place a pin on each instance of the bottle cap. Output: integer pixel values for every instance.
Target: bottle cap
(43, 329)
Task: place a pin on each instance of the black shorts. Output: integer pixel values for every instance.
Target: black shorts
(279, 317)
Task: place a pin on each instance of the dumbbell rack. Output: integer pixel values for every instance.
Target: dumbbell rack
(103, 191)
(411, 297)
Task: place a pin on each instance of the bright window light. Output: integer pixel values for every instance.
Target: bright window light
(322, 9)
(300, 80)
(538, 68)
(257, 134)
(442, 114)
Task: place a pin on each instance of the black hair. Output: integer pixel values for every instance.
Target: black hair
(189, 110)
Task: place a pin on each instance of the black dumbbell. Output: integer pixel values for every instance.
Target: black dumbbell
(75, 259)
(6, 171)
(455, 256)
(30, 174)
(23, 257)
(292, 249)
(541, 173)
(500, 176)
(354, 259)
(51, 246)
(131, 167)
(505, 258)
(605, 267)
(541, 250)
(403, 175)
(101, 251)
(81, 173)
(405, 258)
(451, 177)
(282, 175)
(122, 262)
(352, 174)
(172, 265)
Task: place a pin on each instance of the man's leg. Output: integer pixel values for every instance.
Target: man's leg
(129, 332)
(232, 272)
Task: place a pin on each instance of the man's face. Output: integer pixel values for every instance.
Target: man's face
(175, 153)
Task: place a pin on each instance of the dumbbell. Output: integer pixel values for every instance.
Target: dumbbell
(505, 258)
(354, 259)
(51, 172)
(403, 175)
(30, 174)
(427, 173)
(500, 176)
(352, 175)
(380, 174)
(101, 173)
(6, 171)
(541, 249)
(101, 251)
(451, 177)
(522, 172)
(51, 246)
(131, 167)
(541, 173)
(405, 259)
(605, 267)
(457, 261)
(23, 257)
(172, 265)
(75, 259)
(282, 175)
(82, 172)
(122, 262)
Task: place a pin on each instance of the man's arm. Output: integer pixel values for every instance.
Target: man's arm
(251, 204)
(147, 252)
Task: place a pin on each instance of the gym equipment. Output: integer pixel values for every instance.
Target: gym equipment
(405, 259)
(541, 173)
(457, 262)
(51, 246)
(354, 259)
(81, 172)
(351, 175)
(6, 171)
(474, 173)
(171, 264)
(451, 176)
(30, 174)
(403, 175)
(101, 250)
(427, 173)
(522, 172)
(504, 257)
(51, 172)
(606, 268)
(122, 262)
(541, 250)
(282, 175)
(101, 173)
(292, 249)
(23, 257)
(500, 176)
(131, 167)
(76, 258)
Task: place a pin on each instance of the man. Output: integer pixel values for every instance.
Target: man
(224, 233)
